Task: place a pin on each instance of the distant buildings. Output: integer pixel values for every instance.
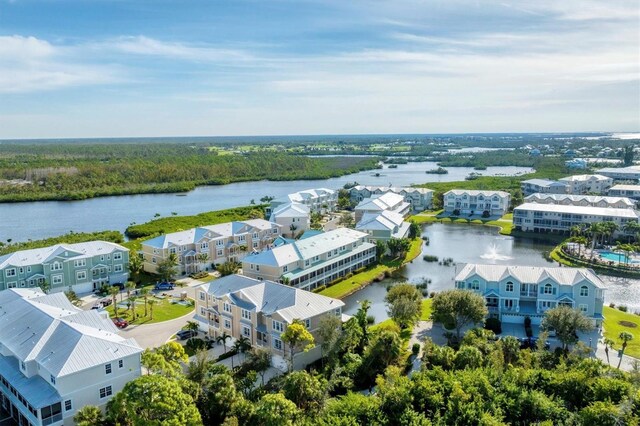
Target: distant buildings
(588, 184)
(555, 218)
(576, 163)
(319, 200)
(515, 292)
(83, 267)
(261, 311)
(294, 218)
(56, 358)
(475, 202)
(383, 226)
(631, 191)
(314, 261)
(582, 200)
(629, 174)
(388, 201)
(420, 199)
(198, 248)
(543, 186)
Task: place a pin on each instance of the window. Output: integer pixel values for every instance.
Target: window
(277, 326)
(219, 253)
(56, 266)
(226, 307)
(202, 295)
(475, 285)
(172, 250)
(105, 392)
(120, 363)
(277, 344)
(307, 323)
(117, 268)
(67, 405)
(28, 269)
(255, 244)
(52, 379)
(107, 369)
(204, 246)
(51, 413)
(306, 262)
(227, 323)
(246, 331)
(153, 260)
(509, 286)
(257, 267)
(220, 242)
(255, 235)
(583, 308)
(584, 291)
(24, 367)
(246, 314)
(285, 268)
(117, 256)
(81, 275)
(547, 289)
(275, 230)
(10, 272)
(80, 263)
(203, 312)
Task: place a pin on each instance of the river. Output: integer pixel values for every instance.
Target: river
(477, 244)
(34, 220)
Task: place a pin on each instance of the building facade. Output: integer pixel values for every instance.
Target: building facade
(293, 218)
(319, 200)
(261, 311)
(515, 292)
(56, 358)
(383, 226)
(420, 199)
(83, 267)
(582, 200)
(631, 191)
(588, 184)
(554, 218)
(314, 261)
(376, 204)
(475, 202)
(625, 174)
(543, 186)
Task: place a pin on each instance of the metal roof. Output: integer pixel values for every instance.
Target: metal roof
(385, 220)
(476, 192)
(292, 209)
(585, 210)
(574, 199)
(386, 201)
(35, 389)
(46, 254)
(584, 178)
(625, 187)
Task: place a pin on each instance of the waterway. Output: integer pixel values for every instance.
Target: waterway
(477, 244)
(34, 220)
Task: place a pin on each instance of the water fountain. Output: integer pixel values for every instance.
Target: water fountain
(493, 254)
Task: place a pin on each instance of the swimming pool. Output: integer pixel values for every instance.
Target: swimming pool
(617, 257)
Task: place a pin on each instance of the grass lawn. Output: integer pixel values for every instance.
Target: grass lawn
(163, 310)
(613, 328)
(426, 310)
(505, 223)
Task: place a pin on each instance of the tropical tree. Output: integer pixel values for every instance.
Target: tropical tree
(45, 286)
(202, 259)
(168, 268)
(132, 306)
(566, 322)
(307, 391)
(218, 398)
(298, 338)
(114, 296)
(223, 339)
(362, 320)
(144, 293)
(381, 249)
(329, 332)
(89, 415)
(458, 308)
(73, 297)
(274, 409)
(608, 343)
(626, 337)
(151, 304)
(346, 220)
(260, 360)
(414, 230)
(631, 228)
(192, 326)
(129, 286)
(398, 247)
(241, 345)
(135, 263)
(404, 304)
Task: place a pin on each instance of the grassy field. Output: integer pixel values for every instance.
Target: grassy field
(163, 310)
(426, 310)
(505, 223)
(613, 328)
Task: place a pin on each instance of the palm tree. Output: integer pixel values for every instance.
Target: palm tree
(575, 230)
(132, 300)
(145, 295)
(241, 346)
(625, 337)
(202, 258)
(129, 286)
(631, 228)
(192, 326)
(608, 343)
(223, 339)
(114, 295)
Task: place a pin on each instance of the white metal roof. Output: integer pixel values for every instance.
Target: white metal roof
(583, 178)
(530, 274)
(381, 202)
(591, 199)
(585, 210)
(395, 189)
(45, 254)
(292, 209)
(386, 220)
(476, 192)
(625, 187)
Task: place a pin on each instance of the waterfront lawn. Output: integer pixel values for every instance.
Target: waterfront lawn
(613, 328)
(505, 223)
(163, 310)
(426, 310)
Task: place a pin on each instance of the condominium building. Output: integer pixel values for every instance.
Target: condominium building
(631, 191)
(475, 202)
(199, 248)
(83, 267)
(56, 358)
(319, 200)
(313, 261)
(261, 311)
(588, 184)
(383, 226)
(294, 218)
(419, 198)
(543, 186)
(582, 200)
(555, 218)
(388, 201)
(515, 292)
(629, 174)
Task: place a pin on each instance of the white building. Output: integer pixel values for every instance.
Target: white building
(56, 358)
(588, 184)
(555, 218)
(582, 200)
(543, 186)
(293, 218)
(388, 201)
(631, 191)
(314, 261)
(419, 198)
(630, 174)
(319, 200)
(476, 202)
(383, 226)
(515, 292)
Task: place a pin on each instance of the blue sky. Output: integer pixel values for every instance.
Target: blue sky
(101, 68)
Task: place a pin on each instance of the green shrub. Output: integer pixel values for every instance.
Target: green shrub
(494, 325)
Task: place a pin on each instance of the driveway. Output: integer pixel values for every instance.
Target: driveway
(154, 335)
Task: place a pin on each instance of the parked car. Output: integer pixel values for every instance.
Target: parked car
(105, 302)
(164, 286)
(120, 322)
(119, 285)
(532, 343)
(186, 334)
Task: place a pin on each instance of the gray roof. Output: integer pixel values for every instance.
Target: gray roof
(530, 274)
(269, 297)
(476, 192)
(292, 209)
(47, 254)
(386, 201)
(585, 210)
(582, 178)
(591, 199)
(396, 189)
(58, 336)
(36, 389)
(385, 220)
(625, 187)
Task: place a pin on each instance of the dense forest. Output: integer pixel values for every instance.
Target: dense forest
(75, 171)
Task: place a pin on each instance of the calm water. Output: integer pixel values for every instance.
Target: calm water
(22, 221)
(477, 244)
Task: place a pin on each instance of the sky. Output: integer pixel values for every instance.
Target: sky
(129, 68)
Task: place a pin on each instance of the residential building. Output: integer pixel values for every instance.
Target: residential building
(294, 218)
(555, 218)
(383, 226)
(314, 261)
(199, 248)
(319, 200)
(56, 358)
(588, 184)
(388, 201)
(543, 186)
(420, 198)
(631, 191)
(576, 163)
(515, 292)
(582, 200)
(83, 267)
(261, 311)
(627, 174)
(475, 202)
